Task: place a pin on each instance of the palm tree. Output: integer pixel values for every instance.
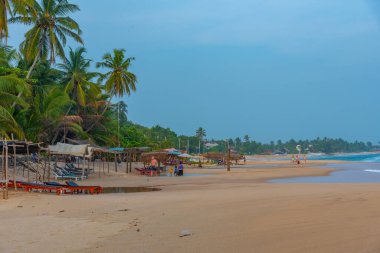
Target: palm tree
(77, 78)
(200, 133)
(7, 55)
(11, 7)
(10, 86)
(246, 138)
(46, 114)
(237, 143)
(118, 80)
(50, 27)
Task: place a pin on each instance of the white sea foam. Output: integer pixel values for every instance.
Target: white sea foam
(377, 171)
(375, 159)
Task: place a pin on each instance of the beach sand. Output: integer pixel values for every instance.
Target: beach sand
(223, 212)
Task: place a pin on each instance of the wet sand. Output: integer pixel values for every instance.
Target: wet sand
(224, 212)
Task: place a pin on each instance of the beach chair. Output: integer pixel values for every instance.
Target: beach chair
(59, 175)
(67, 172)
(54, 184)
(71, 168)
(74, 187)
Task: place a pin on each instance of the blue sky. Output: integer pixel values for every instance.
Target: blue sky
(273, 69)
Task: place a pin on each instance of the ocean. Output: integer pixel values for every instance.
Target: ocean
(360, 157)
(365, 168)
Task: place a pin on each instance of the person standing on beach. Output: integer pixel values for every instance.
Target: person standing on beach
(153, 166)
(298, 160)
(180, 169)
(171, 170)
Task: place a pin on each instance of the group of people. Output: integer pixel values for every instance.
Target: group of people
(297, 159)
(176, 171)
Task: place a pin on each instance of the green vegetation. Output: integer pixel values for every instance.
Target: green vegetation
(325, 145)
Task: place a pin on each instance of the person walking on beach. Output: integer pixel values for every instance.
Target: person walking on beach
(153, 166)
(180, 169)
(298, 160)
(175, 170)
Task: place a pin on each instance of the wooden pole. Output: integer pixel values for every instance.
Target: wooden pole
(45, 166)
(229, 159)
(108, 164)
(3, 160)
(126, 163)
(5, 190)
(6, 172)
(27, 158)
(83, 167)
(115, 163)
(38, 163)
(103, 166)
(49, 171)
(99, 167)
(14, 166)
(130, 162)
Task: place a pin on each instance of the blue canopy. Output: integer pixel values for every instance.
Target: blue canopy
(174, 152)
(117, 149)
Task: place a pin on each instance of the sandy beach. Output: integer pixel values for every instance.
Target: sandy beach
(223, 212)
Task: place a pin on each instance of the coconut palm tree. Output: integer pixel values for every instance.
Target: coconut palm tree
(10, 7)
(77, 78)
(10, 86)
(51, 26)
(118, 80)
(200, 133)
(47, 114)
(7, 55)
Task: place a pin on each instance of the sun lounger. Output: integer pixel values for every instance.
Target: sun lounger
(54, 184)
(74, 187)
(71, 183)
(59, 175)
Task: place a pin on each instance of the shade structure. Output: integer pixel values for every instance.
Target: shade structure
(185, 155)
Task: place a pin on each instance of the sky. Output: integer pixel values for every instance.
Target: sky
(272, 69)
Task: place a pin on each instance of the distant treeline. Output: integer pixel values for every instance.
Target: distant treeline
(158, 137)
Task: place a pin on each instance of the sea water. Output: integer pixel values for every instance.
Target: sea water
(365, 168)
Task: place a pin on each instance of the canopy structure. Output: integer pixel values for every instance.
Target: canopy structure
(185, 155)
(68, 149)
(21, 147)
(172, 151)
(117, 149)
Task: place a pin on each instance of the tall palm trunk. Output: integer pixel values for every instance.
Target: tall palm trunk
(28, 75)
(101, 115)
(57, 132)
(33, 66)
